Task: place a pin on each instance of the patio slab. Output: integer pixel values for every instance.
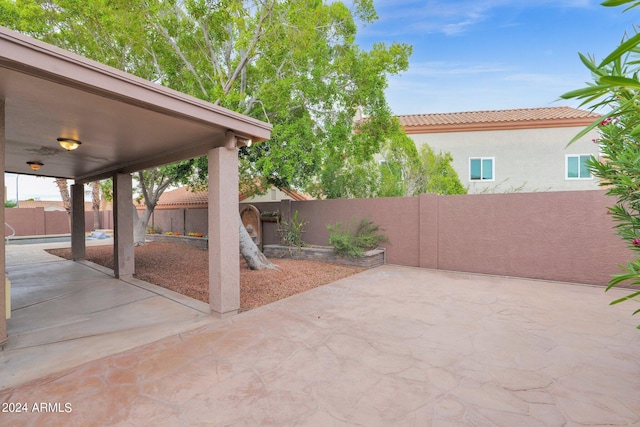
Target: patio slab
(67, 313)
(392, 346)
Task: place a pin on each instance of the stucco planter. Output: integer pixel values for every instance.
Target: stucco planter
(371, 259)
(198, 242)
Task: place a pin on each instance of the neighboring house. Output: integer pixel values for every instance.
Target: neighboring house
(185, 211)
(512, 150)
(184, 198)
(274, 194)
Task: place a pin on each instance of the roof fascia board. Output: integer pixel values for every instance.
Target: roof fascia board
(471, 127)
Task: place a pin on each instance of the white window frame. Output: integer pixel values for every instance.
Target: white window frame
(493, 169)
(566, 168)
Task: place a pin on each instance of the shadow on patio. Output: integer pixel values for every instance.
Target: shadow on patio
(389, 346)
(67, 313)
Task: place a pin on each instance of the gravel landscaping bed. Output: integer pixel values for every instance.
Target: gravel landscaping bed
(185, 269)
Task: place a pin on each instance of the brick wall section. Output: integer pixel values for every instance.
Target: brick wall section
(564, 236)
(38, 222)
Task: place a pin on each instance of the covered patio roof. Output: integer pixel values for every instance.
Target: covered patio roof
(125, 123)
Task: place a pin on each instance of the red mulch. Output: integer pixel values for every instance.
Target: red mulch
(185, 269)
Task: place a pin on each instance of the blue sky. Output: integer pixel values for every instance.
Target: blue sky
(474, 55)
(493, 54)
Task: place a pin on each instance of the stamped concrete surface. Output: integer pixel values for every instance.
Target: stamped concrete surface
(392, 346)
(66, 313)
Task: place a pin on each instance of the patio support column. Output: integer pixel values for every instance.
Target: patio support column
(123, 257)
(78, 242)
(224, 235)
(3, 300)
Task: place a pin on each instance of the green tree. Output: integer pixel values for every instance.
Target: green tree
(408, 171)
(616, 86)
(293, 63)
(400, 169)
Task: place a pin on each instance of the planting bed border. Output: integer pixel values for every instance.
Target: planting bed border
(371, 259)
(198, 242)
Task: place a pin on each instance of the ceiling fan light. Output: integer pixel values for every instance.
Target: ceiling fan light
(35, 166)
(68, 143)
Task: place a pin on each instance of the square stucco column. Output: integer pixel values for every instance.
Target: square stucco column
(224, 235)
(123, 256)
(78, 243)
(3, 299)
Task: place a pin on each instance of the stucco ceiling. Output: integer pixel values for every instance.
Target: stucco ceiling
(124, 123)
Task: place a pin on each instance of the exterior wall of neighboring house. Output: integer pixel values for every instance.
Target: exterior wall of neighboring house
(272, 195)
(503, 151)
(524, 159)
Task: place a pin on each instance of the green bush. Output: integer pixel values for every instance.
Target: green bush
(616, 87)
(291, 230)
(356, 240)
(154, 230)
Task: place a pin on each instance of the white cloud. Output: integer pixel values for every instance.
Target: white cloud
(444, 68)
(439, 87)
(454, 17)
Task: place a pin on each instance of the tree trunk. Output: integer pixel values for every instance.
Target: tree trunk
(64, 193)
(140, 226)
(63, 187)
(95, 204)
(250, 252)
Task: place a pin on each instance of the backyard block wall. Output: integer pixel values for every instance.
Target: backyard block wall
(37, 221)
(183, 220)
(565, 236)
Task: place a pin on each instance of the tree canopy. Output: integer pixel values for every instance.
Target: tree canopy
(294, 64)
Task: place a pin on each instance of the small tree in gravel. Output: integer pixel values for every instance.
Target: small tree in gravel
(290, 231)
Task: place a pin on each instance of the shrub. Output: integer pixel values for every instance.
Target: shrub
(291, 230)
(154, 230)
(354, 241)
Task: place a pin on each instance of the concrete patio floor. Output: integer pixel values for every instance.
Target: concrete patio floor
(66, 313)
(392, 346)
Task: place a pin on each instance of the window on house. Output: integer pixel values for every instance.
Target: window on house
(481, 168)
(577, 166)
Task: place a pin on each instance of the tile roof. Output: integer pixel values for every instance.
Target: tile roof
(183, 197)
(497, 119)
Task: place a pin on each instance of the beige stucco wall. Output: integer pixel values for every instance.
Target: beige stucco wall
(272, 195)
(526, 160)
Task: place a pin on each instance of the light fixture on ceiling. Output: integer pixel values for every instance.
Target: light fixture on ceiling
(68, 143)
(233, 141)
(243, 142)
(35, 166)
